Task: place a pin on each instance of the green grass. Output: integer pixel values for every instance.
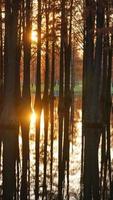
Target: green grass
(77, 88)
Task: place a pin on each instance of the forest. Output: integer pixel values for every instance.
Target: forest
(56, 95)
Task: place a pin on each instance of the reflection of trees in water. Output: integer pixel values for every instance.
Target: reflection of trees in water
(75, 143)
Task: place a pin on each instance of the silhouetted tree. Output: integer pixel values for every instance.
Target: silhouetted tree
(52, 93)
(9, 118)
(26, 97)
(61, 101)
(46, 95)
(38, 101)
(93, 124)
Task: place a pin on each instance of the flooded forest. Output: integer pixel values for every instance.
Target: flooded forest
(56, 100)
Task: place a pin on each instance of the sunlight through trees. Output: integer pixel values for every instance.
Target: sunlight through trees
(56, 94)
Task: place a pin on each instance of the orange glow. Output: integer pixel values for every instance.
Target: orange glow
(42, 122)
(33, 121)
(34, 36)
(33, 117)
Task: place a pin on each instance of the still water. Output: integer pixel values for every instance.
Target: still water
(75, 155)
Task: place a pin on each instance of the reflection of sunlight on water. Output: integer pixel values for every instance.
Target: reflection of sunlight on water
(75, 154)
(32, 148)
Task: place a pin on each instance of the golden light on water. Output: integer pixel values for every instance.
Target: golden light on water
(75, 150)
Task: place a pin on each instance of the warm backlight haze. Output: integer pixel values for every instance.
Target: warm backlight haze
(34, 36)
(33, 120)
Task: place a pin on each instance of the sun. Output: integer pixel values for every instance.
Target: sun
(33, 119)
(34, 36)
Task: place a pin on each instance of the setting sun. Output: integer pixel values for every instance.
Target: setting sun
(33, 121)
(33, 117)
(34, 36)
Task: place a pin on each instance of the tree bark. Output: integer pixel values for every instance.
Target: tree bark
(38, 101)
(8, 118)
(26, 100)
(92, 122)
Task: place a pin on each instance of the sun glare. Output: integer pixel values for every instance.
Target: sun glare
(33, 117)
(33, 120)
(34, 36)
(42, 121)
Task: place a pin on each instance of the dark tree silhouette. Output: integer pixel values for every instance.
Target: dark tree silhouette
(38, 101)
(46, 96)
(96, 119)
(52, 93)
(26, 98)
(61, 101)
(8, 118)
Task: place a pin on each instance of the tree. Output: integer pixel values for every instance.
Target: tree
(8, 118)
(93, 123)
(46, 95)
(26, 97)
(38, 101)
(61, 101)
(52, 93)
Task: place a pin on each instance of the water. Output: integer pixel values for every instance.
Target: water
(75, 156)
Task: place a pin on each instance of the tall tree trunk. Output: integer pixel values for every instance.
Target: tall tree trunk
(52, 96)
(26, 99)
(61, 102)
(38, 101)
(1, 57)
(92, 115)
(18, 98)
(67, 97)
(46, 97)
(108, 103)
(1, 74)
(8, 118)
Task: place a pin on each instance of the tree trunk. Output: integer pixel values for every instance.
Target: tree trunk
(92, 123)
(38, 102)
(61, 102)
(52, 97)
(8, 118)
(26, 100)
(46, 98)
(67, 99)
